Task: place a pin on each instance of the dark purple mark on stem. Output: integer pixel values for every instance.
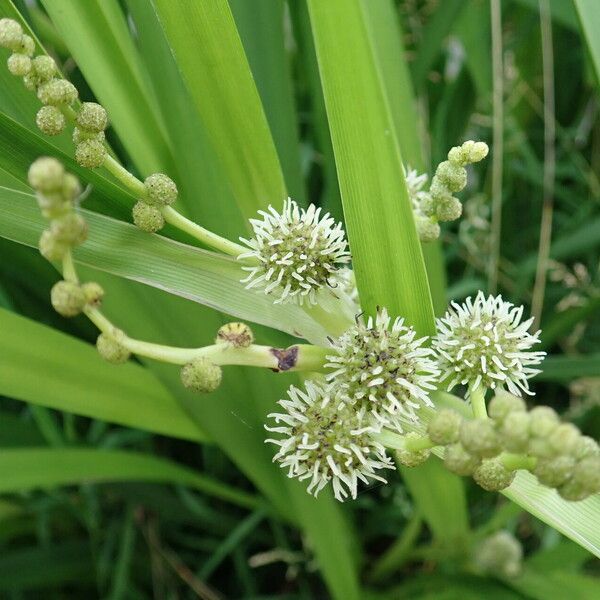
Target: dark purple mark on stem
(286, 357)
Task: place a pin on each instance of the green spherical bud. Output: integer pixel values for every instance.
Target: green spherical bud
(67, 298)
(94, 293)
(459, 461)
(453, 176)
(412, 458)
(427, 228)
(493, 476)
(449, 209)
(501, 554)
(469, 152)
(71, 229)
(51, 248)
(80, 135)
(46, 174)
(44, 68)
(479, 437)
(444, 427)
(586, 447)
(53, 204)
(57, 92)
(71, 187)
(503, 404)
(11, 34)
(160, 190)
(201, 375)
(515, 432)
(26, 45)
(554, 472)
(50, 120)
(90, 153)
(92, 117)
(543, 420)
(564, 439)
(587, 472)
(147, 218)
(19, 64)
(111, 351)
(238, 335)
(573, 491)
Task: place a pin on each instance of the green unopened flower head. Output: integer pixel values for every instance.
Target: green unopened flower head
(452, 176)
(111, 350)
(515, 432)
(459, 461)
(564, 439)
(50, 247)
(449, 210)
(160, 190)
(46, 174)
(584, 482)
(380, 365)
(90, 153)
(554, 472)
(543, 420)
(94, 293)
(412, 458)
(19, 64)
(492, 475)
(500, 554)
(201, 375)
(147, 218)
(470, 152)
(444, 427)
(238, 335)
(44, 68)
(92, 117)
(71, 229)
(80, 135)
(67, 298)
(50, 120)
(322, 440)
(428, 229)
(503, 404)
(479, 437)
(11, 34)
(57, 92)
(586, 447)
(26, 46)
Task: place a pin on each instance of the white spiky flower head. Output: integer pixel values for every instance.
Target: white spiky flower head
(415, 184)
(484, 343)
(324, 440)
(298, 252)
(382, 367)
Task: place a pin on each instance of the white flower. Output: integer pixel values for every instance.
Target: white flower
(324, 440)
(298, 252)
(415, 184)
(483, 342)
(383, 370)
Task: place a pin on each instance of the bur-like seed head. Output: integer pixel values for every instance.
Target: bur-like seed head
(492, 475)
(80, 135)
(57, 92)
(237, 335)
(503, 404)
(543, 420)
(412, 458)
(449, 209)
(584, 482)
(201, 375)
(428, 229)
(459, 461)
(586, 447)
(483, 343)
(564, 439)
(554, 472)
(19, 64)
(147, 218)
(515, 432)
(470, 152)
(71, 229)
(453, 176)
(44, 68)
(26, 46)
(71, 187)
(444, 427)
(92, 117)
(160, 190)
(50, 120)
(51, 248)
(297, 252)
(67, 298)
(90, 153)
(500, 554)
(94, 293)
(111, 350)
(46, 174)
(479, 437)
(11, 34)
(379, 365)
(30, 81)
(323, 440)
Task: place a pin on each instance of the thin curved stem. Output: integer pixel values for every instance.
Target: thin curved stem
(513, 462)
(477, 397)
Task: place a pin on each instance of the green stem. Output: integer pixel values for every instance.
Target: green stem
(400, 442)
(477, 397)
(124, 176)
(513, 462)
(68, 268)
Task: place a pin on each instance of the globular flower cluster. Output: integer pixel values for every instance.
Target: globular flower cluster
(500, 554)
(438, 203)
(382, 367)
(483, 343)
(297, 253)
(324, 440)
(160, 191)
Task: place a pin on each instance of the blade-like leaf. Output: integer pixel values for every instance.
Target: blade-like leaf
(567, 368)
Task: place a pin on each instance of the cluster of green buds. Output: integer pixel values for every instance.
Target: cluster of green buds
(439, 203)
(160, 191)
(88, 135)
(500, 554)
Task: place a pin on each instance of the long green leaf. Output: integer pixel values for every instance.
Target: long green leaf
(77, 380)
(567, 368)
